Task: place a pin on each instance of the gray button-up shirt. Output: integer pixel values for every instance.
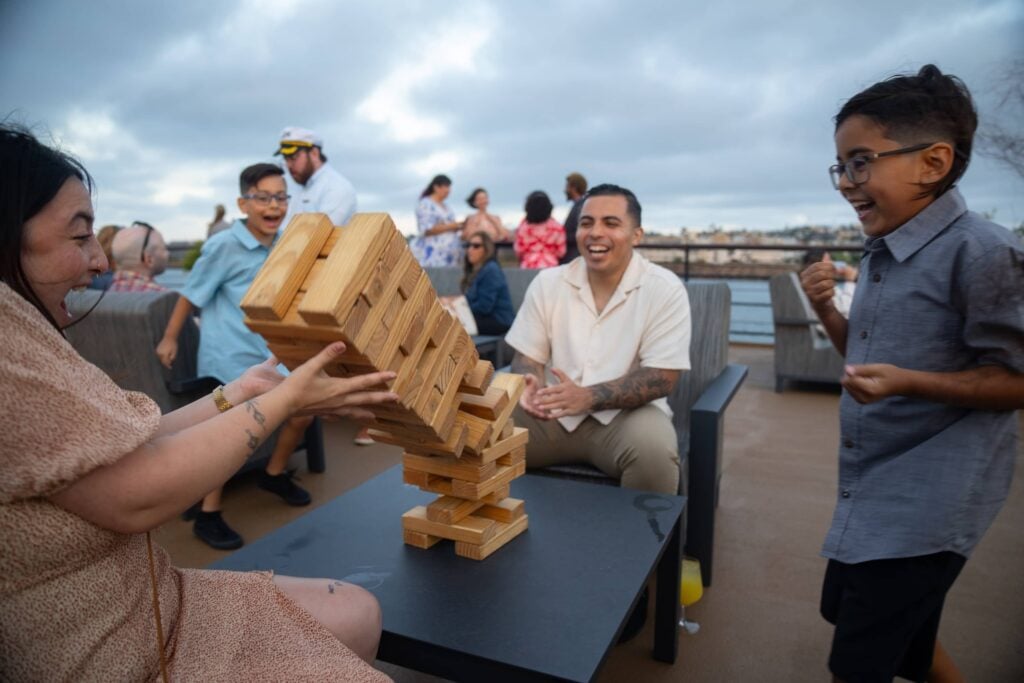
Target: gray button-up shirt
(944, 292)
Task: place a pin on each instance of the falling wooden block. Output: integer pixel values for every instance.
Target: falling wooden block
(474, 530)
(518, 439)
(287, 266)
(504, 534)
(488, 407)
(478, 378)
(513, 386)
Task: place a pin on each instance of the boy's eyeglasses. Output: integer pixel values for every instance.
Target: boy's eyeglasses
(476, 245)
(145, 241)
(858, 169)
(263, 199)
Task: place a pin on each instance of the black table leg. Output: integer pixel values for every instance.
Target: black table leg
(666, 601)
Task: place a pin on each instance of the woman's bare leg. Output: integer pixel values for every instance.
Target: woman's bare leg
(351, 613)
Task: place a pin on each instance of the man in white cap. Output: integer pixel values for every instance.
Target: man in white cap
(317, 187)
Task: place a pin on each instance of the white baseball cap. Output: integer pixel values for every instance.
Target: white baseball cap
(294, 138)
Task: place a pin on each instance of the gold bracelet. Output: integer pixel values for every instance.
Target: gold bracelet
(223, 404)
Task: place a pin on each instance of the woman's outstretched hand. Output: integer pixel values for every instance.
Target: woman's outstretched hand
(311, 391)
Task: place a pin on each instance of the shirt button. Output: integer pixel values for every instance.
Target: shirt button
(848, 443)
(863, 334)
(846, 493)
(877, 277)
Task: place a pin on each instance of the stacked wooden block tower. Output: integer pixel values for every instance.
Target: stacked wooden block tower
(361, 285)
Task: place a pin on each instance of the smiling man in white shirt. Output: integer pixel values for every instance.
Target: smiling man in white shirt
(315, 186)
(611, 331)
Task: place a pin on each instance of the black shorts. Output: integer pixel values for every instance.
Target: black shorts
(886, 614)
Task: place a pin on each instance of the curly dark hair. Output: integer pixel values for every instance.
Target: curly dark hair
(927, 107)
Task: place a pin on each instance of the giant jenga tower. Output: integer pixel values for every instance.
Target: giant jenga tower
(361, 285)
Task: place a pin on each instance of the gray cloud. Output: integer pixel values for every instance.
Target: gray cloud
(713, 114)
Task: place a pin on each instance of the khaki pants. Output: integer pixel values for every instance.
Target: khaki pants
(638, 447)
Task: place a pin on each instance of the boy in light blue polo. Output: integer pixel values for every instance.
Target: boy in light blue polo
(227, 265)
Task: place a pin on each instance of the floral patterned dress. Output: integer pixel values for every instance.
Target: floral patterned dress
(436, 250)
(540, 245)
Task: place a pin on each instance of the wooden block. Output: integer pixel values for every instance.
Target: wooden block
(504, 534)
(416, 444)
(419, 540)
(513, 457)
(475, 530)
(432, 483)
(478, 433)
(448, 509)
(445, 466)
(292, 326)
(373, 333)
(431, 364)
(478, 378)
(475, 491)
(410, 377)
(513, 386)
(507, 510)
(488, 406)
(347, 269)
(329, 244)
(287, 266)
(508, 430)
(314, 274)
(447, 409)
(518, 440)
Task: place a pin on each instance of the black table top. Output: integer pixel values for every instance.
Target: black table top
(551, 601)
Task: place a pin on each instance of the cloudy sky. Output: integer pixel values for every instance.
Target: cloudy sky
(714, 113)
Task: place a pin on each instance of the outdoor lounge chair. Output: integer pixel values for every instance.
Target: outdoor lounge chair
(802, 349)
(120, 336)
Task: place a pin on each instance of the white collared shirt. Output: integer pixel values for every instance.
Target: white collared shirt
(326, 191)
(646, 323)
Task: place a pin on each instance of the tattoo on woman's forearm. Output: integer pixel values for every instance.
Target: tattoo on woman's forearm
(253, 441)
(633, 390)
(253, 408)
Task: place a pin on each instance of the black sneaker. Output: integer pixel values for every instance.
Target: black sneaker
(212, 530)
(282, 485)
(636, 620)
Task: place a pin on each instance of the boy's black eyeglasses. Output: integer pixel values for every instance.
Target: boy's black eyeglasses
(858, 169)
(264, 199)
(145, 241)
(476, 245)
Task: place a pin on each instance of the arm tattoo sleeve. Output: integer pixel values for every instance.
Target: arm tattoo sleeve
(524, 365)
(634, 389)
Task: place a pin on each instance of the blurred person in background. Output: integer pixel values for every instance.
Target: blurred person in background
(481, 220)
(540, 239)
(140, 254)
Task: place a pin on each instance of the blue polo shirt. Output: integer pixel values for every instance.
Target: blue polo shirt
(944, 292)
(226, 267)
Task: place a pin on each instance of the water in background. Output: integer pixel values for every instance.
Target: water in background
(750, 322)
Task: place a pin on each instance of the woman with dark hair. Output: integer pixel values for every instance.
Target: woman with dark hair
(438, 242)
(484, 285)
(481, 220)
(90, 469)
(540, 239)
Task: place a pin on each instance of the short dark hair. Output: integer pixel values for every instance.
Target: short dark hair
(928, 107)
(31, 175)
(252, 175)
(439, 180)
(610, 190)
(538, 207)
(471, 199)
